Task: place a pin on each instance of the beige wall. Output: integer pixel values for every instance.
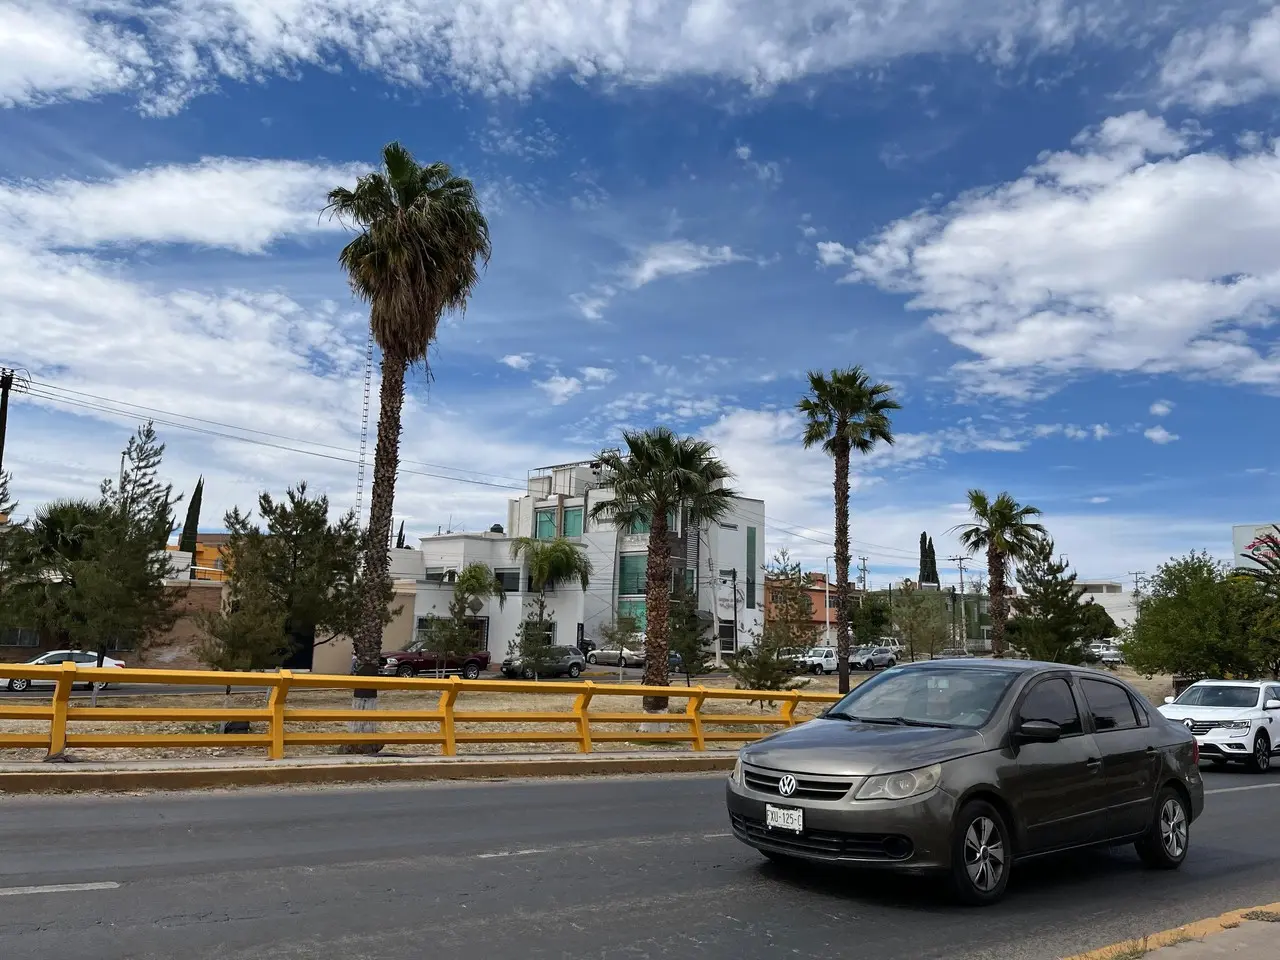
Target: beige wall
(334, 657)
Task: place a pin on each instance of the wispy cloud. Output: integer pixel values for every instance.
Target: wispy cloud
(768, 172)
(670, 258)
(560, 389)
(598, 375)
(1161, 408)
(517, 361)
(1159, 434)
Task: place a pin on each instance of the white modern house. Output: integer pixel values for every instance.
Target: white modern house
(722, 562)
(1112, 597)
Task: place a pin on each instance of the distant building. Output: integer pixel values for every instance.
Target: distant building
(822, 605)
(1247, 542)
(1112, 597)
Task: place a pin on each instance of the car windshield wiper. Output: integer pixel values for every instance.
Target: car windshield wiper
(889, 721)
(908, 722)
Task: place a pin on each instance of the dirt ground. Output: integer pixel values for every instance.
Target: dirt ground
(1154, 689)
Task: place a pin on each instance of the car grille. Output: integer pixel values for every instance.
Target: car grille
(807, 788)
(1203, 726)
(825, 844)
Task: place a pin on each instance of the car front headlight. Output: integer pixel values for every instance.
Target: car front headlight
(1236, 724)
(392, 661)
(736, 776)
(901, 786)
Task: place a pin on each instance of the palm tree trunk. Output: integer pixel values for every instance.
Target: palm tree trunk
(842, 564)
(998, 603)
(386, 461)
(657, 605)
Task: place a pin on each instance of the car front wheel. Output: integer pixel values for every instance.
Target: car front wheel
(1164, 846)
(18, 686)
(405, 671)
(591, 658)
(575, 671)
(471, 671)
(981, 854)
(1260, 762)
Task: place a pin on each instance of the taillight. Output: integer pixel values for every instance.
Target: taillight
(1195, 751)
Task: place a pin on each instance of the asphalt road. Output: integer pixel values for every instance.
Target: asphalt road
(609, 868)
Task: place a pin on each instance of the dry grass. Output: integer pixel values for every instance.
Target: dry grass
(402, 700)
(1141, 948)
(1263, 916)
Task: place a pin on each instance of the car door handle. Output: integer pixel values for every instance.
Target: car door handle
(1152, 751)
(1093, 763)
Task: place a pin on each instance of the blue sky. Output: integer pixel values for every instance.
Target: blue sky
(1053, 226)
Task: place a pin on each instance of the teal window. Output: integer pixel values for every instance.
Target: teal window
(643, 524)
(683, 575)
(544, 524)
(573, 522)
(632, 571)
(636, 611)
(751, 568)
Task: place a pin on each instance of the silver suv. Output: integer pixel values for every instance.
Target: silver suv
(561, 662)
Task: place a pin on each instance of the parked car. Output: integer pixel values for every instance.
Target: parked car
(873, 658)
(965, 768)
(1232, 720)
(415, 659)
(953, 653)
(820, 660)
(561, 662)
(628, 655)
(82, 658)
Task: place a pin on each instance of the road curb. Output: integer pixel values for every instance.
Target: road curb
(279, 774)
(1196, 930)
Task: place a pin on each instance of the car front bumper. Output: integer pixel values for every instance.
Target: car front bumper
(1219, 744)
(910, 836)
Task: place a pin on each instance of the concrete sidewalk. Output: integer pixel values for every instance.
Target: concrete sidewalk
(218, 772)
(1257, 940)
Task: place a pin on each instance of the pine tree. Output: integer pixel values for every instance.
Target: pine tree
(1049, 620)
(400, 537)
(191, 526)
(924, 558)
(687, 633)
(933, 564)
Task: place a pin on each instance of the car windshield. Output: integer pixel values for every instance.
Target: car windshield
(818, 652)
(955, 698)
(1213, 695)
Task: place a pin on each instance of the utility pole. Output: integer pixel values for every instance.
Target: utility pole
(964, 620)
(734, 574)
(6, 384)
(863, 569)
(1137, 575)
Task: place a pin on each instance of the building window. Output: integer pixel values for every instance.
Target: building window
(544, 524)
(642, 524)
(751, 568)
(632, 572)
(434, 575)
(17, 637)
(775, 596)
(728, 634)
(573, 522)
(510, 580)
(728, 526)
(833, 600)
(685, 576)
(635, 609)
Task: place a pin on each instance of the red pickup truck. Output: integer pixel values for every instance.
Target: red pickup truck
(414, 661)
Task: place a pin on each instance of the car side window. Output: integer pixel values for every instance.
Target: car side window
(1052, 700)
(1110, 705)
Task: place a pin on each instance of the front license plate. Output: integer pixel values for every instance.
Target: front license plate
(784, 818)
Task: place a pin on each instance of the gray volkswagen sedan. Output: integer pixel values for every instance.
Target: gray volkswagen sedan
(964, 768)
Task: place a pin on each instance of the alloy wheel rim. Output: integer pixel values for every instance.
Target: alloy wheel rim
(1173, 829)
(1262, 752)
(984, 858)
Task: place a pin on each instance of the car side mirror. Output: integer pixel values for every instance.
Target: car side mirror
(1271, 705)
(1038, 731)
(1168, 699)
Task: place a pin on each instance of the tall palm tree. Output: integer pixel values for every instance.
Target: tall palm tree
(1006, 530)
(422, 239)
(845, 412)
(659, 478)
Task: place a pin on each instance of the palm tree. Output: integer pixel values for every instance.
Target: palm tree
(1005, 529)
(551, 563)
(421, 240)
(844, 411)
(658, 478)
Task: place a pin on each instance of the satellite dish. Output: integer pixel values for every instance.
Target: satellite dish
(475, 604)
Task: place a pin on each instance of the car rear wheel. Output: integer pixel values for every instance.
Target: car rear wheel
(575, 671)
(817, 669)
(1260, 762)
(981, 854)
(892, 662)
(405, 671)
(1165, 844)
(622, 662)
(471, 671)
(18, 686)
(528, 674)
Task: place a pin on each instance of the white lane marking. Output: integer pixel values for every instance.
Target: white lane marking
(715, 836)
(509, 853)
(635, 842)
(1256, 786)
(57, 888)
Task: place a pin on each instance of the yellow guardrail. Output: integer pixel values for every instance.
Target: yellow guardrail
(698, 728)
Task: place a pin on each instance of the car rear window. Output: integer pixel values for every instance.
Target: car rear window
(1110, 705)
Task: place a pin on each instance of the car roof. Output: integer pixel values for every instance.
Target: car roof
(1233, 683)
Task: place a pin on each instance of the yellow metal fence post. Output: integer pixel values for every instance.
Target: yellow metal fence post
(694, 710)
(447, 699)
(279, 694)
(580, 706)
(58, 725)
(789, 707)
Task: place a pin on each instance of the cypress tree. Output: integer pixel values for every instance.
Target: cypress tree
(191, 526)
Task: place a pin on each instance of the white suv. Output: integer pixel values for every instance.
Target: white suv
(1231, 720)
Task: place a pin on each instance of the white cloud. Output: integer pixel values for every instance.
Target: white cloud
(1099, 499)
(1126, 253)
(171, 50)
(559, 388)
(768, 172)
(1161, 408)
(1229, 63)
(1159, 434)
(597, 374)
(241, 205)
(669, 258)
(517, 361)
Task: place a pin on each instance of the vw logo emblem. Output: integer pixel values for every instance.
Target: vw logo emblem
(1188, 723)
(787, 785)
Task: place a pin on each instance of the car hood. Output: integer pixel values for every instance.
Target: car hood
(1187, 711)
(847, 748)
